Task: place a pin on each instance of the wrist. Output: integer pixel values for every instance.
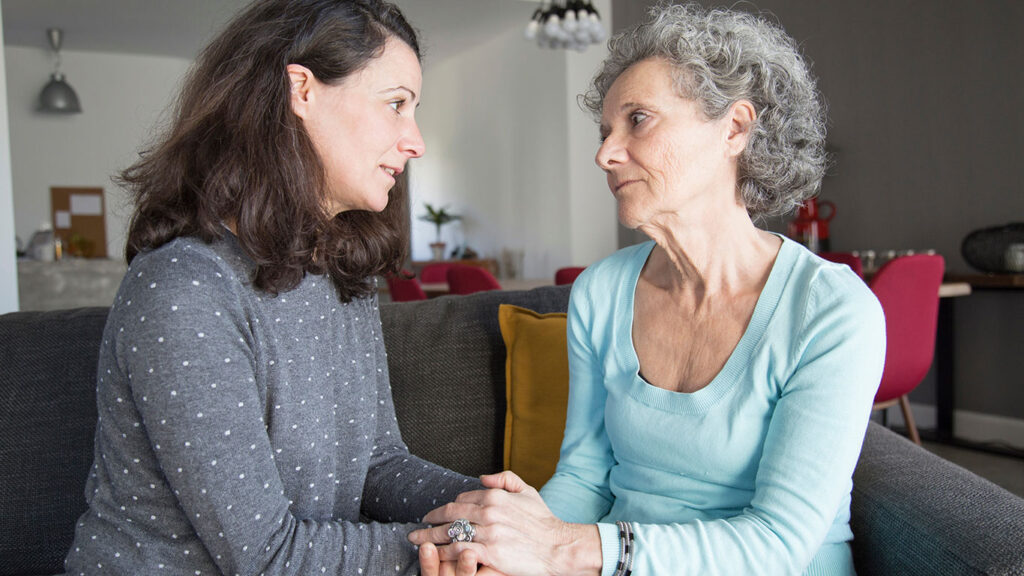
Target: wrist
(579, 551)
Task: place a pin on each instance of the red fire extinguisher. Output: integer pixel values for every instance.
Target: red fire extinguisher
(810, 226)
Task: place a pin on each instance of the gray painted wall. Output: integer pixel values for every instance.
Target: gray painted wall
(926, 122)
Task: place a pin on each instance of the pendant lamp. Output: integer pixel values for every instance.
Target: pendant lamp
(565, 24)
(58, 97)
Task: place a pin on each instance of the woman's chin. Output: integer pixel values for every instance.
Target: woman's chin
(370, 205)
(378, 204)
(628, 219)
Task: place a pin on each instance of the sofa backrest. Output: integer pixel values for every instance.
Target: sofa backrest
(446, 358)
(47, 426)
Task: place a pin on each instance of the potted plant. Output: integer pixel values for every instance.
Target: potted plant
(438, 217)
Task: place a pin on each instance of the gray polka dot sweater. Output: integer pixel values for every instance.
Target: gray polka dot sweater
(241, 433)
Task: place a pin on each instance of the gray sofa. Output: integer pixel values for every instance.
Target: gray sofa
(913, 513)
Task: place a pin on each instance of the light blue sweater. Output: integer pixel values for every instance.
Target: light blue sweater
(751, 474)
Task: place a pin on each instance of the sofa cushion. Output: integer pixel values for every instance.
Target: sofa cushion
(446, 356)
(47, 426)
(536, 390)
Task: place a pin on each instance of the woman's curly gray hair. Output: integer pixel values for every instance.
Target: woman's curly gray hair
(723, 56)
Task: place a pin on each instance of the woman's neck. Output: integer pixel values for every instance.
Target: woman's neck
(719, 254)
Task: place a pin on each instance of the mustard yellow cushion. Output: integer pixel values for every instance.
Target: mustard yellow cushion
(536, 390)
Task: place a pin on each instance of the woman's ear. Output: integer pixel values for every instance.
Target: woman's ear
(741, 118)
(301, 80)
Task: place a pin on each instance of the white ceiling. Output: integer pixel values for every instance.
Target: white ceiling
(181, 27)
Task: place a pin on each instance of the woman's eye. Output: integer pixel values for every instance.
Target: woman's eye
(637, 117)
(396, 105)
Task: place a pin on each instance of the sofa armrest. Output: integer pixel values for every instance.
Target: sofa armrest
(914, 513)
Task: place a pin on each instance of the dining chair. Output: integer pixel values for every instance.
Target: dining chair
(847, 258)
(470, 279)
(908, 289)
(567, 275)
(436, 272)
(404, 288)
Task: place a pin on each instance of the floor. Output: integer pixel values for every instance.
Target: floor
(1006, 471)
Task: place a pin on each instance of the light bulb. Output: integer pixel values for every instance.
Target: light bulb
(531, 30)
(569, 23)
(597, 30)
(552, 27)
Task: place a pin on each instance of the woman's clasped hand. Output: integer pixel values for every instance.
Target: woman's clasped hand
(514, 532)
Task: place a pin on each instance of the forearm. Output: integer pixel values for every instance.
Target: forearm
(401, 487)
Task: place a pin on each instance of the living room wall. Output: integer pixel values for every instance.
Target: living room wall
(8, 281)
(926, 126)
(507, 145)
(122, 98)
(509, 150)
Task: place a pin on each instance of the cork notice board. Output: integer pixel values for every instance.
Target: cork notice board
(79, 220)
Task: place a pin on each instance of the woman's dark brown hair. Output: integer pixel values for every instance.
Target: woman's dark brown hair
(235, 152)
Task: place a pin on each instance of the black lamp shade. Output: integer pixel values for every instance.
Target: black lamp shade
(58, 96)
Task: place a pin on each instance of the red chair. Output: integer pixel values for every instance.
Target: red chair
(436, 272)
(567, 275)
(908, 289)
(845, 258)
(470, 279)
(403, 288)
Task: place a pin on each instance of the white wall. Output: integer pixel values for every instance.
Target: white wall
(592, 207)
(8, 279)
(494, 124)
(122, 98)
(509, 150)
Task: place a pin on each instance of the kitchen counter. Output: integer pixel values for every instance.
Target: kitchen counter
(68, 283)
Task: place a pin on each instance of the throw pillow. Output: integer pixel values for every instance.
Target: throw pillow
(537, 391)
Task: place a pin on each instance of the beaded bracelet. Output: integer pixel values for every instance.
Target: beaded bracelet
(625, 565)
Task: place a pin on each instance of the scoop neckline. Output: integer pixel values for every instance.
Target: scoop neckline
(701, 400)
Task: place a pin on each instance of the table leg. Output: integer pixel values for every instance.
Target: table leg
(944, 370)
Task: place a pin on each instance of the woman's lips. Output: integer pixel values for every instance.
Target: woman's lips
(621, 185)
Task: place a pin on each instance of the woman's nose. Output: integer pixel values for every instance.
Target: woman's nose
(609, 154)
(412, 143)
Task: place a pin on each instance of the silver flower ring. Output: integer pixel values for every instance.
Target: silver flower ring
(461, 531)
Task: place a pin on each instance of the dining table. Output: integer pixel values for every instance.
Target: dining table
(945, 359)
(958, 284)
(435, 289)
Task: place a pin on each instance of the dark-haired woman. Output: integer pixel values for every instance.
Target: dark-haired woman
(245, 417)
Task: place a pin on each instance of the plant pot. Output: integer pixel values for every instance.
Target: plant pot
(438, 250)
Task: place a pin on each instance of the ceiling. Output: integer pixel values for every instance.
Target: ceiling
(180, 28)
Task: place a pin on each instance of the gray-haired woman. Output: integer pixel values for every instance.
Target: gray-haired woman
(721, 376)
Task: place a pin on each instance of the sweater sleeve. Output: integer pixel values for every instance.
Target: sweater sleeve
(579, 490)
(399, 486)
(188, 351)
(810, 450)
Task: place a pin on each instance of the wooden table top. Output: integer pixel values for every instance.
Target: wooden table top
(441, 288)
(977, 280)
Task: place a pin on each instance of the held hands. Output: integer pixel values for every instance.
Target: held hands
(515, 533)
(431, 565)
